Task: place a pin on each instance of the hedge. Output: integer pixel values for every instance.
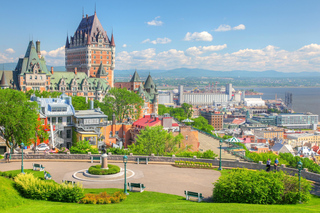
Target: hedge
(96, 170)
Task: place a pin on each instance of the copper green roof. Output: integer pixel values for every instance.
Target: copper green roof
(135, 77)
(81, 79)
(25, 65)
(101, 70)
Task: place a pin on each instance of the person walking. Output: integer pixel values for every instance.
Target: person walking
(276, 162)
(268, 165)
(7, 157)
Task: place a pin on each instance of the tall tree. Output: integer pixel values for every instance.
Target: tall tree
(123, 103)
(18, 117)
(44, 94)
(79, 103)
(187, 109)
(155, 140)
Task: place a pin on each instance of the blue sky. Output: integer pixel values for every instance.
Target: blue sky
(215, 35)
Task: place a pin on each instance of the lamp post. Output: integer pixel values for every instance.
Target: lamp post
(125, 160)
(300, 164)
(220, 143)
(22, 147)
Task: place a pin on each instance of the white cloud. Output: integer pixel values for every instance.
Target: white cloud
(196, 36)
(158, 41)
(155, 22)
(54, 57)
(124, 45)
(202, 49)
(306, 58)
(10, 51)
(223, 27)
(5, 59)
(239, 27)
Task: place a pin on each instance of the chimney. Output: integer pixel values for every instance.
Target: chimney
(91, 104)
(52, 70)
(113, 119)
(87, 16)
(75, 70)
(38, 48)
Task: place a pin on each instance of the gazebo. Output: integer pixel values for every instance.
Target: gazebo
(233, 140)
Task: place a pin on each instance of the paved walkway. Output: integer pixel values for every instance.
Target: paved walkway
(207, 143)
(156, 177)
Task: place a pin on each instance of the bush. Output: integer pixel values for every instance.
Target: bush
(83, 147)
(1, 157)
(191, 164)
(96, 170)
(34, 188)
(118, 151)
(189, 154)
(307, 163)
(103, 198)
(260, 187)
(63, 150)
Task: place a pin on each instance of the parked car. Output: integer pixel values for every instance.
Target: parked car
(42, 147)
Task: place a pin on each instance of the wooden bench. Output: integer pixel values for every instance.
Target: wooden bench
(95, 158)
(37, 166)
(47, 176)
(141, 160)
(136, 185)
(68, 181)
(193, 194)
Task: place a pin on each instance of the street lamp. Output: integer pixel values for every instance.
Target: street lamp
(22, 147)
(300, 164)
(125, 160)
(220, 143)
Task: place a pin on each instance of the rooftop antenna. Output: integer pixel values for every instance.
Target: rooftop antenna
(95, 8)
(82, 12)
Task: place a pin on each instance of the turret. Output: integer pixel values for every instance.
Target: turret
(38, 48)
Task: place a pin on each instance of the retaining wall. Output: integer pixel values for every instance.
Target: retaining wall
(152, 158)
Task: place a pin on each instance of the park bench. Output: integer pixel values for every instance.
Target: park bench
(47, 176)
(141, 160)
(136, 185)
(193, 194)
(68, 181)
(37, 166)
(95, 158)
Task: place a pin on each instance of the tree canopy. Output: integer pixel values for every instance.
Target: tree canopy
(156, 140)
(44, 94)
(123, 103)
(18, 117)
(79, 103)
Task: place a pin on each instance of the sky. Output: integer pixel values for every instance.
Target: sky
(216, 35)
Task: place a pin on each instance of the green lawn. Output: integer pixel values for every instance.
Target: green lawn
(10, 201)
(35, 173)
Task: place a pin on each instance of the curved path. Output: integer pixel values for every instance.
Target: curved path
(156, 177)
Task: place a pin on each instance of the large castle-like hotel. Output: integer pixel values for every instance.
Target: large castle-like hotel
(90, 63)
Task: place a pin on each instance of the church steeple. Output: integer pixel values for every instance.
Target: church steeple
(67, 42)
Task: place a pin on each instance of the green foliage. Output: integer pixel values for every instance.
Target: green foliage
(96, 170)
(34, 188)
(202, 124)
(14, 173)
(225, 137)
(187, 109)
(83, 147)
(162, 109)
(44, 94)
(292, 161)
(191, 164)
(18, 116)
(79, 103)
(103, 198)
(74, 136)
(209, 154)
(1, 157)
(260, 187)
(155, 140)
(118, 151)
(123, 103)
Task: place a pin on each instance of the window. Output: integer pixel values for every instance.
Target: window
(54, 120)
(117, 132)
(59, 120)
(186, 137)
(107, 62)
(94, 51)
(100, 57)
(107, 57)
(94, 62)
(36, 77)
(94, 68)
(69, 120)
(110, 134)
(68, 133)
(101, 51)
(30, 76)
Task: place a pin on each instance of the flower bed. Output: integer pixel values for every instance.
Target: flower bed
(103, 198)
(96, 170)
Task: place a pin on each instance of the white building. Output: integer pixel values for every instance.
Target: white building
(252, 102)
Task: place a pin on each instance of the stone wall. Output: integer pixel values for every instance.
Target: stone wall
(152, 158)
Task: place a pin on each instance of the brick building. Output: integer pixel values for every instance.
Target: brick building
(214, 118)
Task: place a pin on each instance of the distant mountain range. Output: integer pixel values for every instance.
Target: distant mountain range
(185, 72)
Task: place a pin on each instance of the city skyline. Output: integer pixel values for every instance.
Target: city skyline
(222, 36)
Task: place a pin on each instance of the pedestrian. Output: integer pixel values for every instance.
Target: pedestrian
(268, 165)
(7, 157)
(276, 162)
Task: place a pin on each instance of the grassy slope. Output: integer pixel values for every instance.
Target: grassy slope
(35, 173)
(139, 202)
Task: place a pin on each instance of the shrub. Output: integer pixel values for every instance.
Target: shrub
(63, 150)
(34, 188)
(260, 187)
(83, 147)
(103, 198)
(1, 157)
(192, 164)
(96, 170)
(189, 154)
(118, 151)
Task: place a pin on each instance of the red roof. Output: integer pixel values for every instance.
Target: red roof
(175, 124)
(238, 121)
(147, 121)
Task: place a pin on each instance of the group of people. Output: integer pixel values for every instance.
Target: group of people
(276, 162)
